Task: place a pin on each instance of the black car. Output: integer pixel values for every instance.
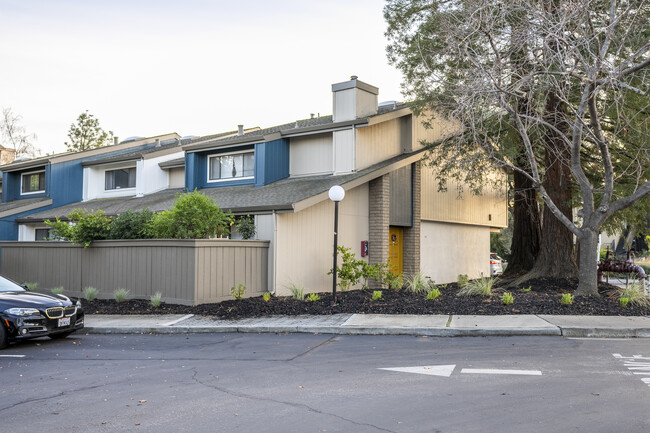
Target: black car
(25, 314)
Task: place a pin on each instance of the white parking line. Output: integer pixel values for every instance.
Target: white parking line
(12, 356)
(495, 371)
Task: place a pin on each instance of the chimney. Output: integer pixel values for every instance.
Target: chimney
(115, 140)
(240, 129)
(353, 99)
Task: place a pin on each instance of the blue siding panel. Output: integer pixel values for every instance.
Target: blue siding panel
(275, 160)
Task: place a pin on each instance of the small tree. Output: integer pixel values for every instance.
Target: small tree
(82, 228)
(246, 227)
(87, 134)
(132, 225)
(15, 136)
(193, 216)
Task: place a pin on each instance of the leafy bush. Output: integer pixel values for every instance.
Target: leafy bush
(156, 299)
(31, 286)
(478, 287)
(238, 293)
(623, 301)
(313, 297)
(297, 292)
(352, 271)
(132, 225)
(416, 283)
(433, 294)
(193, 216)
(507, 298)
(246, 227)
(463, 279)
(635, 294)
(566, 299)
(266, 297)
(90, 293)
(120, 295)
(57, 290)
(376, 295)
(83, 227)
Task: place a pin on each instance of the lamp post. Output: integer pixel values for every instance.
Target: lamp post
(336, 194)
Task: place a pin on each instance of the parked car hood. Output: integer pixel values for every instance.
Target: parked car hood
(32, 300)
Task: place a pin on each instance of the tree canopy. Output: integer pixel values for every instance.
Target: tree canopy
(87, 134)
(14, 135)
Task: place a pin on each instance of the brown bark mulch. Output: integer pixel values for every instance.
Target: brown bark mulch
(543, 298)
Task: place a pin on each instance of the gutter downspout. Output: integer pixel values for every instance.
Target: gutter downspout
(275, 253)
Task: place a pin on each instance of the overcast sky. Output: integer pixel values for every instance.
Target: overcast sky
(195, 67)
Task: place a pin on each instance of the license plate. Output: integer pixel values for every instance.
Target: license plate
(64, 321)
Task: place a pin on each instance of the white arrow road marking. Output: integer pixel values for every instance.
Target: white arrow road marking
(431, 370)
(495, 371)
(12, 356)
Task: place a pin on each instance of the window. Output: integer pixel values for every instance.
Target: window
(42, 234)
(33, 183)
(231, 166)
(121, 178)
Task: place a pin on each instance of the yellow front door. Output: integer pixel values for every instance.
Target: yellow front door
(395, 249)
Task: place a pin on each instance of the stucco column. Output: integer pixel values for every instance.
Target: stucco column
(379, 220)
(411, 261)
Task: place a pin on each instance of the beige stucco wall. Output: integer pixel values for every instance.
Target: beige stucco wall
(448, 250)
(489, 209)
(304, 241)
(310, 155)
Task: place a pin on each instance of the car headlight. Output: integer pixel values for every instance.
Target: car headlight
(23, 311)
(78, 304)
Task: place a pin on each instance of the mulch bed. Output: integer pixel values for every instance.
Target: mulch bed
(543, 298)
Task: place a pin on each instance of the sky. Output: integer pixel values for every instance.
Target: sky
(194, 67)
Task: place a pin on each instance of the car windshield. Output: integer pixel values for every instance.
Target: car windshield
(7, 285)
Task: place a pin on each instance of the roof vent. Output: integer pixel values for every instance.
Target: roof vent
(115, 140)
(391, 104)
(240, 129)
(353, 77)
(157, 142)
(312, 115)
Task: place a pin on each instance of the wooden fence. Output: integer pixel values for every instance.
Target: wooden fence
(185, 271)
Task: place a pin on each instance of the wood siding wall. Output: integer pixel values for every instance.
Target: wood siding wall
(184, 271)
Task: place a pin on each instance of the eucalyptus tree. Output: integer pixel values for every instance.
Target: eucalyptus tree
(462, 60)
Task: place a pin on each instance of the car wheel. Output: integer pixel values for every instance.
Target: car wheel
(60, 335)
(3, 336)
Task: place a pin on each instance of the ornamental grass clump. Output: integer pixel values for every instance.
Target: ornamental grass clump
(635, 295)
(31, 286)
(120, 295)
(156, 299)
(297, 292)
(90, 293)
(416, 283)
(238, 292)
(478, 287)
(507, 298)
(57, 290)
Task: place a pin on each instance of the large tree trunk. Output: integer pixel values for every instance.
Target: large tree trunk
(526, 236)
(588, 273)
(555, 258)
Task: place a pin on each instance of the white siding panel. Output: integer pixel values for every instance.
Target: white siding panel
(310, 155)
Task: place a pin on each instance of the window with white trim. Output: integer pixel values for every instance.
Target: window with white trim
(120, 178)
(240, 165)
(33, 182)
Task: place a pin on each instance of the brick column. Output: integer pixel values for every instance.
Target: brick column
(379, 220)
(411, 264)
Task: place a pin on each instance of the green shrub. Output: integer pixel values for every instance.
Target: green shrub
(352, 271)
(463, 279)
(132, 225)
(90, 293)
(478, 287)
(31, 286)
(636, 295)
(376, 295)
(566, 299)
(392, 279)
(156, 299)
(57, 290)
(83, 227)
(313, 297)
(623, 301)
(246, 227)
(416, 283)
(238, 293)
(297, 292)
(266, 297)
(120, 295)
(193, 216)
(507, 298)
(433, 294)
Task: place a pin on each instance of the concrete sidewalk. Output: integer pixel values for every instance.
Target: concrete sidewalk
(380, 324)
